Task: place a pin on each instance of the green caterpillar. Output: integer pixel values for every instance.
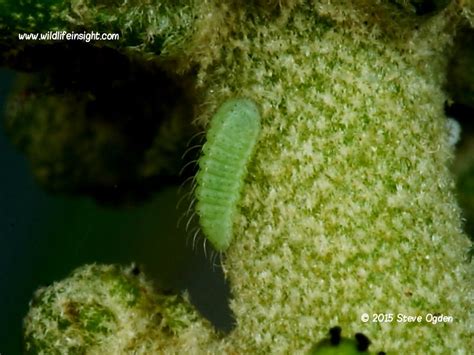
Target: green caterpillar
(230, 143)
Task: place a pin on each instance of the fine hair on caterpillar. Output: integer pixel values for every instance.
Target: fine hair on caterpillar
(186, 199)
(222, 167)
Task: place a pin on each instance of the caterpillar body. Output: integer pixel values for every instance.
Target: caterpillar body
(230, 143)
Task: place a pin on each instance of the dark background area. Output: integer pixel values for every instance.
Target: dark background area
(43, 237)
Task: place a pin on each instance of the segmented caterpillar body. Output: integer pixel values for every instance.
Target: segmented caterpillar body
(231, 140)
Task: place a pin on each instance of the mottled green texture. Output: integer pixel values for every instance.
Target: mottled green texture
(31, 15)
(72, 319)
(338, 345)
(109, 310)
(467, 10)
(346, 347)
(350, 206)
(231, 139)
(156, 26)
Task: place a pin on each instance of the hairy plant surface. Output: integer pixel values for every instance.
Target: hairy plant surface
(348, 206)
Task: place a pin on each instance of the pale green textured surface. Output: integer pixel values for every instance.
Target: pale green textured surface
(348, 206)
(347, 347)
(106, 309)
(149, 27)
(335, 344)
